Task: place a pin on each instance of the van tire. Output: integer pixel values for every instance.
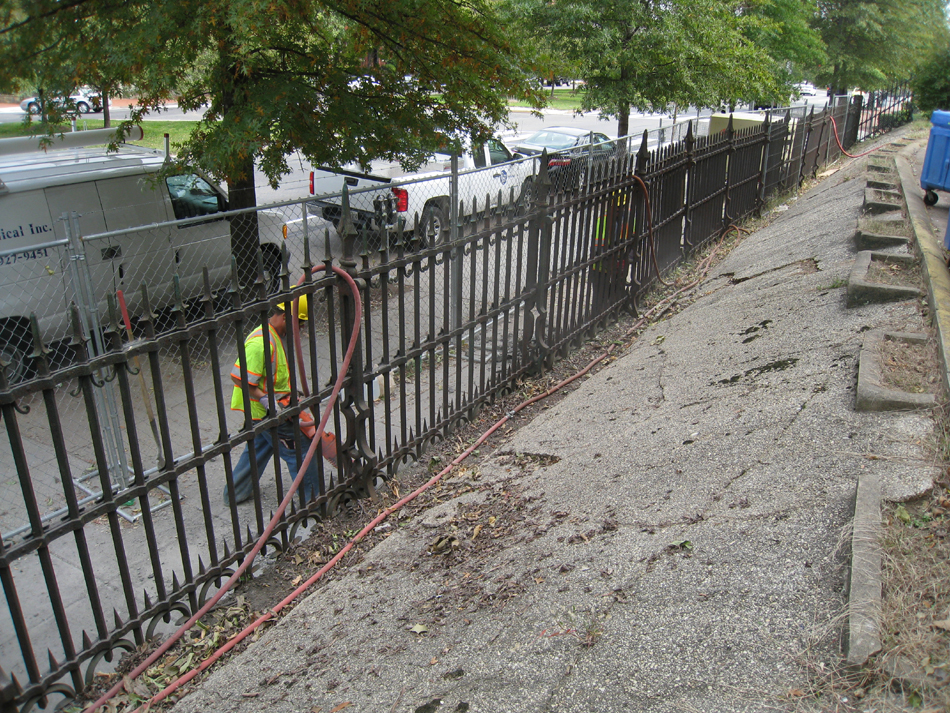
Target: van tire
(526, 199)
(272, 269)
(16, 343)
(582, 177)
(434, 225)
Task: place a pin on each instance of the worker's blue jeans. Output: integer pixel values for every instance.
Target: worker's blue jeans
(264, 448)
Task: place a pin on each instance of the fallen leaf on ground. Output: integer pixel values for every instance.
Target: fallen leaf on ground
(340, 707)
(419, 629)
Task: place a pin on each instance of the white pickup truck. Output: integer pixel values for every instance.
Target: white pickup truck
(379, 198)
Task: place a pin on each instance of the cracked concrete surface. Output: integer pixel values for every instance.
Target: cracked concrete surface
(676, 547)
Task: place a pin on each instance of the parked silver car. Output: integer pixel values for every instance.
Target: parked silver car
(82, 101)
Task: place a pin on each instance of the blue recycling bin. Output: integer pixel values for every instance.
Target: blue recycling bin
(935, 175)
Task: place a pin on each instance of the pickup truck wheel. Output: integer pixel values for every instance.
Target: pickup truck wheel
(434, 226)
(82, 108)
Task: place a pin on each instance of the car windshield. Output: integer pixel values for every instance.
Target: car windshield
(551, 139)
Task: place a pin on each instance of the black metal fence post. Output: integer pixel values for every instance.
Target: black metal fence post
(688, 144)
(544, 269)
(727, 217)
(766, 153)
(534, 310)
(355, 455)
(806, 138)
(850, 134)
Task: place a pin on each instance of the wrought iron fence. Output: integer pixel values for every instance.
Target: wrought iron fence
(114, 517)
(884, 109)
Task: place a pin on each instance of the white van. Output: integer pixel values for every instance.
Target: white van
(111, 192)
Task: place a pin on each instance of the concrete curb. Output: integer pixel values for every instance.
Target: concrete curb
(864, 590)
(864, 599)
(935, 269)
(863, 638)
(878, 200)
(872, 395)
(872, 241)
(888, 185)
(861, 290)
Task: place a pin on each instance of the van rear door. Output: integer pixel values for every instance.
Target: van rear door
(84, 199)
(31, 279)
(143, 256)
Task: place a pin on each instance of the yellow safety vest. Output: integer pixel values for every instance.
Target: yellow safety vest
(254, 354)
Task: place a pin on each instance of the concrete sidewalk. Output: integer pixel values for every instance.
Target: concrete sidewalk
(668, 537)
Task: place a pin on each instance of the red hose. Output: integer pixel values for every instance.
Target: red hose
(646, 196)
(838, 141)
(249, 558)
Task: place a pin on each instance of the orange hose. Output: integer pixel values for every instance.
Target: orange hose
(838, 141)
(646, 196)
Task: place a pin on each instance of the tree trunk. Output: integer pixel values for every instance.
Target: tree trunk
(623, 120)
(106, 113)
(245, 244)
(835, 88)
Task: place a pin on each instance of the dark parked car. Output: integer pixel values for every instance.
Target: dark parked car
(571, 153)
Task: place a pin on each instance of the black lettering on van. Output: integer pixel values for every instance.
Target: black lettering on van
(11, 233)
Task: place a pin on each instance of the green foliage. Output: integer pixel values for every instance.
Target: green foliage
(647, 54)
(335, 79)
(784, 30)
(932, 83)
(871, 43)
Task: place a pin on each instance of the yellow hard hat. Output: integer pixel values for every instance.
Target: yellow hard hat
(303, 311)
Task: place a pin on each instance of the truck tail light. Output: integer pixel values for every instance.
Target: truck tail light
(402, 199)
(311, 183)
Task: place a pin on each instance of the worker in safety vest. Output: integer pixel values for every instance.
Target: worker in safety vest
(609, 273)
(260, 403)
